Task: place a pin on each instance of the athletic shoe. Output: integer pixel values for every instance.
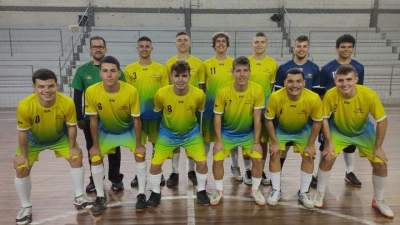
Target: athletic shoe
(192, 177)
(81, 202)
(305, 200)
(319, 199)
(202, 198)
(134, 182)
(236, 173)
(24, 215)
(90, 188)
(352, 179)
(141, 202)
(314, 182)
(99, 206)
(162, 182)
(266, 181)
(274, 197)
(258, 197)
(173, 180)
(382, 208)
(154, 200)
(247, 177)
(117, 187)
(216, 197)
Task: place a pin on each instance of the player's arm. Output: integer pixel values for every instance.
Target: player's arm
(21, 161)
(315, 129)
(257, 129)
(78, 107)
(269, 124)
(381, 128)
(72, 134)
(328, 148)
(94, 123)
(217, 128)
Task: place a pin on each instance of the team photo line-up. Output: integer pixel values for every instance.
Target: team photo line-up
(247, 102)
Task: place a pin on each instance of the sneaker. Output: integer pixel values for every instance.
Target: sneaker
(202, 198)
(273, 197)
(319, 199)
(154, 200)
(162, 183)
(134, 182)
(99, 206)
(236, 173)
(141, 202)
(247, 177)
(90, 188)
(258, 197)
(173, 180)
(24, 215)
(192, 177)
(81, 202)
(305, 200)
(314, 182)
(216, 197)
(117, 187)
(266, 181)
(352, 179)
(382, 208)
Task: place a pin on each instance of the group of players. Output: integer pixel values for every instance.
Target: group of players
(189, 104)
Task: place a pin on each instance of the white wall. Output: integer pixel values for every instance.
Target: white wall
(236, 4)
(335, 4)
(330, 20)
(389, 4)
(232, 20)
(389, 20)
(139, 20)
(36, 19)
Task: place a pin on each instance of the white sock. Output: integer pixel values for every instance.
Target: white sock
(78, 177)
(379, 184)
(276, 180)
(155, 183)
(323, 179)
(317, 161)
(255, 183)
(207, 149)
(349, 161)
(23, 187)
(191, 165)
(219, 185)
(141, 175)
(247, 164)
(305, 180)
(175, 162)
(201, 181)
(98, 177)
(235, 157)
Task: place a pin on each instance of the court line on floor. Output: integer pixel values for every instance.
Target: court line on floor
(191, 212)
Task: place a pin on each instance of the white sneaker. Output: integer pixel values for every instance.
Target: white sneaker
(258, 197)
(82, 202)
(383, 208)
(236, 173)
(274, 197)
(247, 177)
(319, 199)
(305, 200)
(216, 197)
(24, 215)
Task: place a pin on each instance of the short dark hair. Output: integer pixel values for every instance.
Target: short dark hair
(180, 67)
(43, 74)
(218, 35)
(182, 33)
(346, 38)
(144, 38)
(97, 38)
(261, 34)
(241, 60)
(346, 69)
(294, 70)
(302, 38)
(110, 59)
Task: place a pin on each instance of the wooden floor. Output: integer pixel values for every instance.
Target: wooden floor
(52, 193)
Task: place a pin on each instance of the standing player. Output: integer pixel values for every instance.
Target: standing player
(347, 109)
(218, 75)
(114, 110)
(46, 119)
(85, 76)
(237, 123)
(344, 48)
(179, 104)
(294, 116)
(147, 76)
(263, 71)
(197, 79)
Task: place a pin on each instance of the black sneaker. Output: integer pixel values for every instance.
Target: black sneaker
(90, 188)
(162, 183)
(154, 200)
(141, 202)
(173, 180)
(247, 178)
(352, 179)
(134, 182)
(24, 216)
(314, 182)
(192, 177)
(202, 198)
(99, 206)
(117, 187)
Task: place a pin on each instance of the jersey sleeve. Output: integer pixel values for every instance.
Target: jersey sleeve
(280, 74)
(259, 101)
(77, 81)
(128, 78)
(158, 106)
(201, 102)
(361, 75)
(274, 72)
(323, 79)
(219, 105)
(316, 78)
(376, 108)
(135, 104)
(90, 104)
(270, 113)
(202, 73)
(164, 76)
(70, 116)
(326, 107)
(316, 111)
(24, 121)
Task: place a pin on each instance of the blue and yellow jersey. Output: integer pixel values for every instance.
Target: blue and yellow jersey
(197, 72)
(263, 72)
